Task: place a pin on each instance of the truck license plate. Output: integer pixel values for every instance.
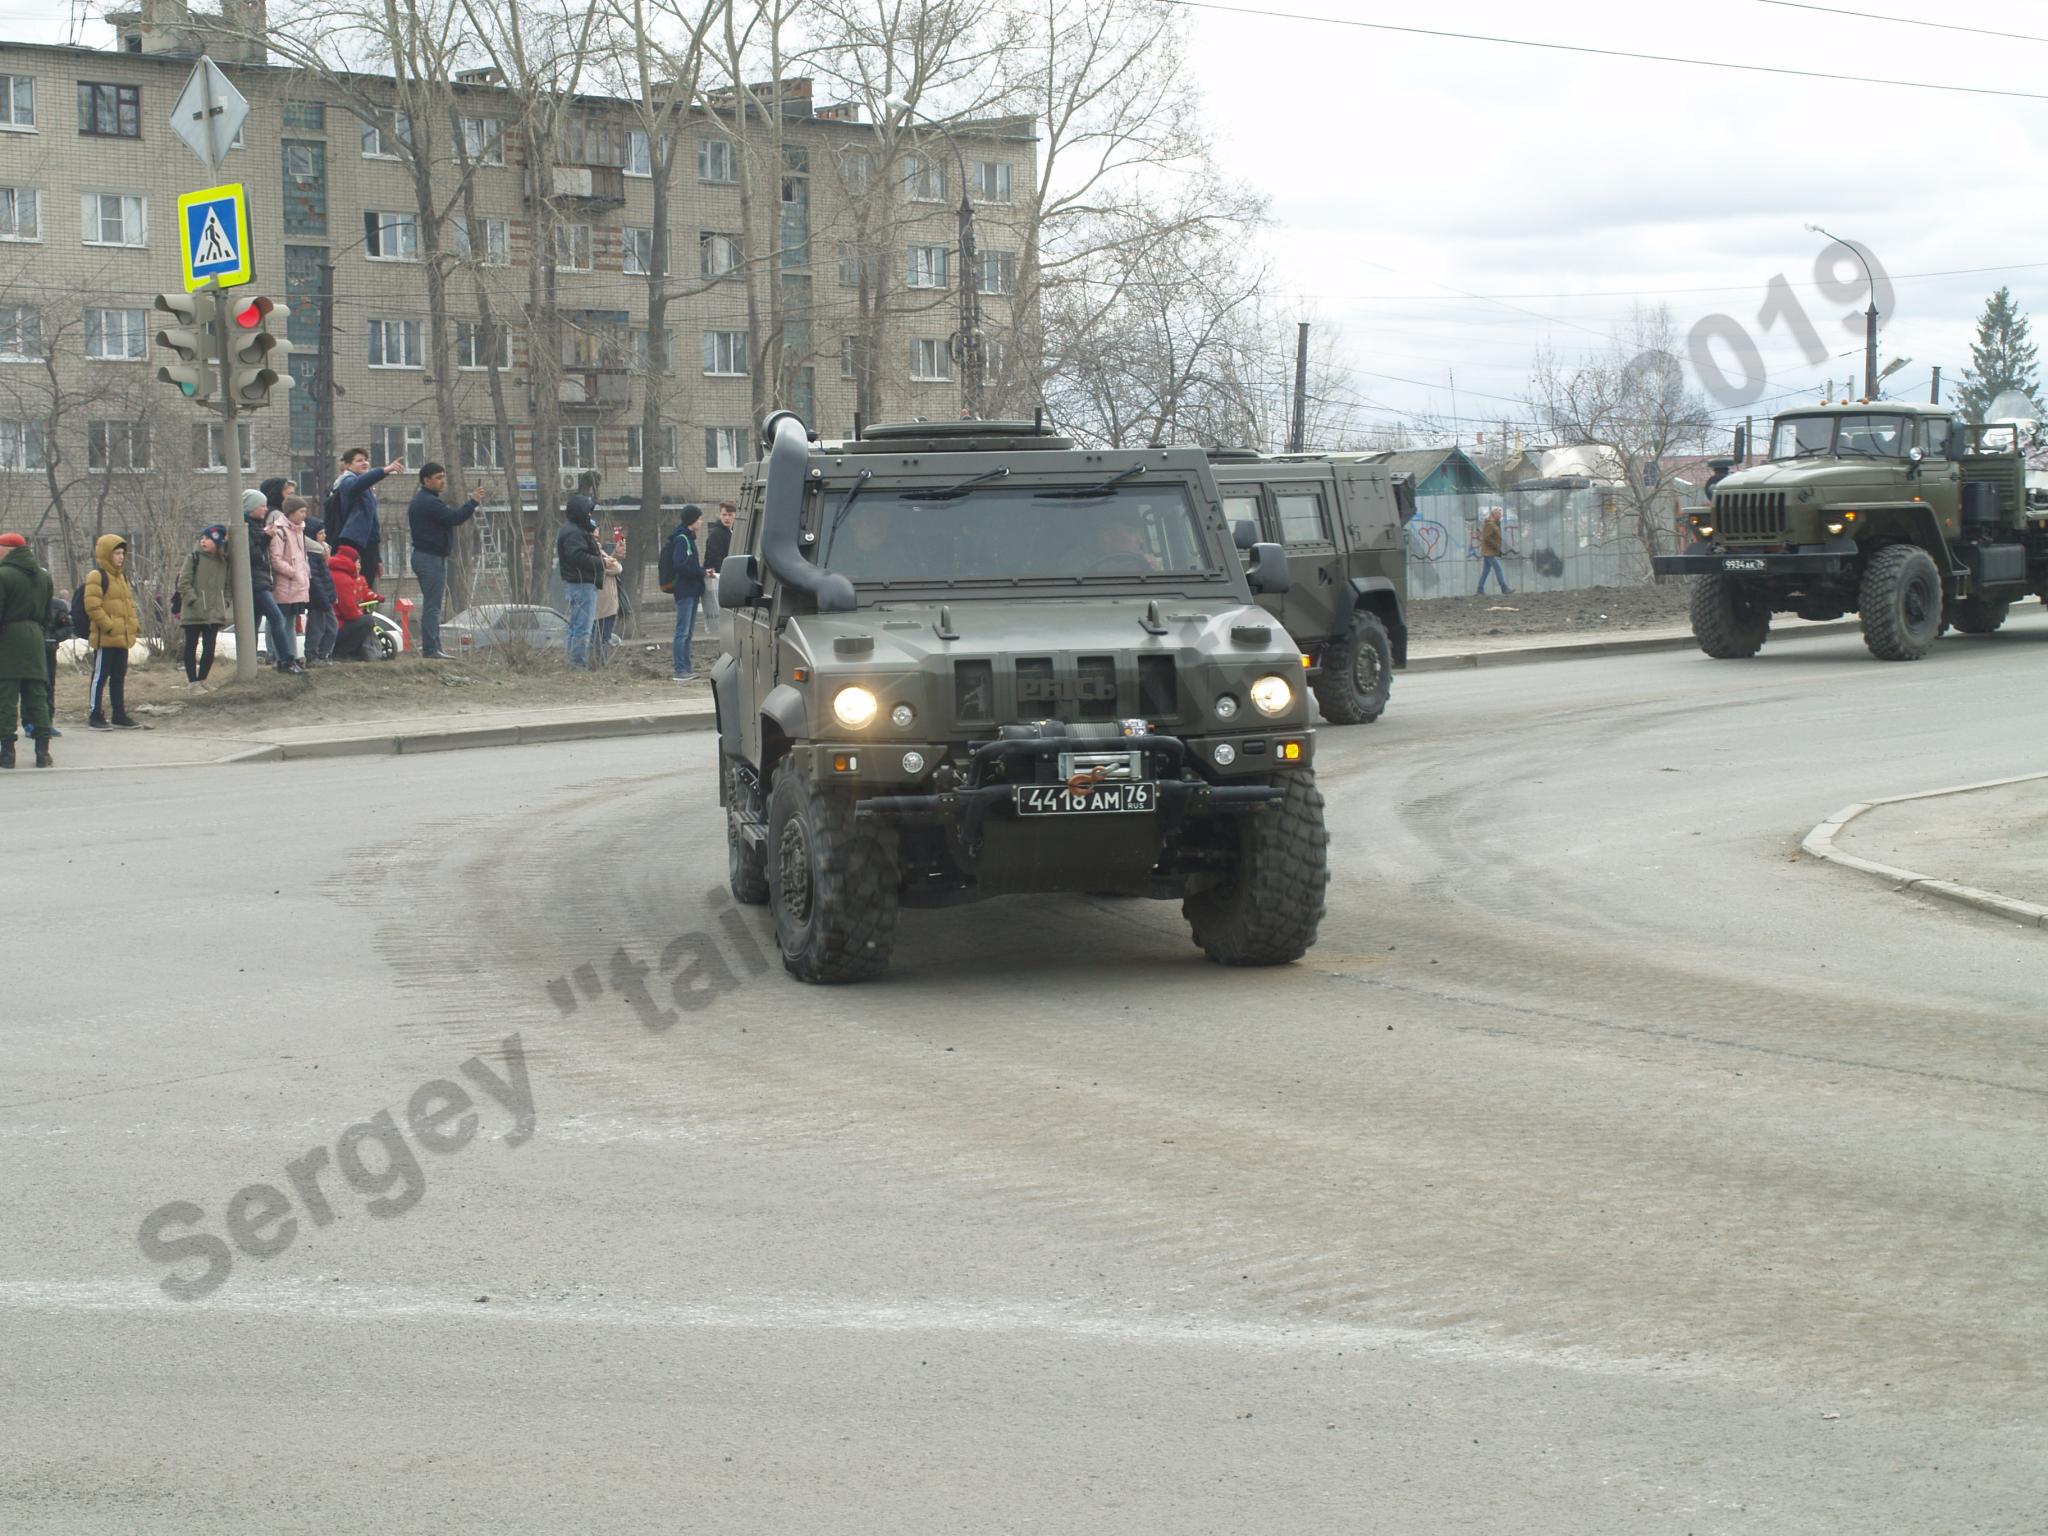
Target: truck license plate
(1059, 800)
(1742, 565)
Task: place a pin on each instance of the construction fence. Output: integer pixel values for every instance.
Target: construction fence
(1555, 539)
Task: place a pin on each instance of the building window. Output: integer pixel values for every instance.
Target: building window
(306, 116)
(639, 156)
(110, 111)
(302, 161)
(116, 445)
(992, 181)
(725, 353)
(481, 448)
(924, 180)
(579, 447)
(21, 213)
(18, 102)
(206, 445)
(483, 140)
(716, 161)
(21, 446)
(470, 351)
(857, 262)
(488, 242)
(114, 218)
(394, 344)
(998, 271)
(929, 363)
(21, 335)
(384, 134)
(927, 266)
(857, 170)
(718, 255)
(639, 245)
(391, 236)
(853, 351)
(668, 448)
(723, 447)
(406, 444)
(116, 335)
(995, 361)
(572, 247)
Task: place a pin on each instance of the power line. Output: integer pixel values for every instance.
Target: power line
(1906, 21)
(1650, 293)
(1606, 53)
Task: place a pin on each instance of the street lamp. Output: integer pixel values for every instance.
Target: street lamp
(1869, 318)
(965, 343)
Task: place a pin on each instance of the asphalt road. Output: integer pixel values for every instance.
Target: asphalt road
(1609, 1167)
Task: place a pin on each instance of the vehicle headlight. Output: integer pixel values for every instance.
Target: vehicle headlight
(1226, 708)
(902, 717)
(854, 708)
(1272, 696)
(1704, 527)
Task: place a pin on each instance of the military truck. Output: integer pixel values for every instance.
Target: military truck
(1338, 517)
(1900, 513)
(971, 660)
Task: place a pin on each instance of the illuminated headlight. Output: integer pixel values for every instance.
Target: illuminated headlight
(1226, 708)
(913, 763)
(854, 708)
(1704, 529)
(902, 716)
(1836, 527)
(1272, 696)
(1226, 754)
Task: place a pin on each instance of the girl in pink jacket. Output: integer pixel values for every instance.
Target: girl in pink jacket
(291, 570)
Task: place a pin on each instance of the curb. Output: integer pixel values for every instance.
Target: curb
(1523, 655)
(462, 739)
(1820, 842)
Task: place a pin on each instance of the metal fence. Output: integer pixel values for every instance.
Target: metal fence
(1554, 540)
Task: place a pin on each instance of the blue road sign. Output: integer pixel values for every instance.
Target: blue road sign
(213, 227)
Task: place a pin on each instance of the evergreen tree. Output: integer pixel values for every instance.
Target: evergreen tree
(2001, 358)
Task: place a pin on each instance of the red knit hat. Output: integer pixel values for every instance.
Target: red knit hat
(12, 541)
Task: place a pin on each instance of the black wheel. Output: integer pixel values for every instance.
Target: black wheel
(1358, 673)
(1900, 601)
(387, 644)
(746, 868)
(1729, 625)
(1268, 910)
(1978, 615)
(832, 884)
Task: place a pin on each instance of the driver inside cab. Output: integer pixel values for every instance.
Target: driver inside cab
(1121, 546)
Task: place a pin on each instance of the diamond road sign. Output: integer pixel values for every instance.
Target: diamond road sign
(209, 113)
(213, 237)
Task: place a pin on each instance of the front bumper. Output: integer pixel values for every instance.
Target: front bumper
(1729, 563)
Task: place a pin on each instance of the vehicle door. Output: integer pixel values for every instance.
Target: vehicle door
(1940, 481)
(1246, 504)
(1302, 523)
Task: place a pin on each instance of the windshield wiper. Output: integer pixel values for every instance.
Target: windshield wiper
(951, 492)
(1084, 493)
(860, 484)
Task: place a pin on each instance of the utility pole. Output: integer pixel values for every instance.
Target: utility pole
(1935, 397)
(970, 302)
(1297, 430)
(324, 450)
(1869, 316)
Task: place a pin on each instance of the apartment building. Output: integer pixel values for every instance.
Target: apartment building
(90, 441)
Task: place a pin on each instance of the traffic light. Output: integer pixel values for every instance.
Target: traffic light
(258, 360)
(191, 341)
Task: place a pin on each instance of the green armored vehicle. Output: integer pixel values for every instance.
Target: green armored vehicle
(1339, 517)
(969, 660)
(1898, 512)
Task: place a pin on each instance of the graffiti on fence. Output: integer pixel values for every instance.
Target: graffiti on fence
(1429, 540)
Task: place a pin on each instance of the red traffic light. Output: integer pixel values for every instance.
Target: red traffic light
(254, 313)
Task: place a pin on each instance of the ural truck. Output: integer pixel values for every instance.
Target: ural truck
(1339, 518)
(971, 660)
(1900, 513)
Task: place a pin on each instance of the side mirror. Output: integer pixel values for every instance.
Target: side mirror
(739, 582)
(1245, 533)
(1268, 574)
(1742, 445)
(1958, 442)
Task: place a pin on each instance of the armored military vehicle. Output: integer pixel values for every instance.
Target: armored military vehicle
(1338, 517)
(970, 660)
(1898, 512)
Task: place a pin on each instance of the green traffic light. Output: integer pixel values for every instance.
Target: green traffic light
(187, 390)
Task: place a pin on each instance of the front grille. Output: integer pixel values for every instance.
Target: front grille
(1158, 688)
(1753, 516)
(974, 692)
(1097, 677)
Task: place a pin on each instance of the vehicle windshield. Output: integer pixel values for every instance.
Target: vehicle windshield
(1803, 437)
(1858, 436)
(1009, 532)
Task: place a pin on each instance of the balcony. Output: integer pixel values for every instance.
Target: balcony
(593, 186)
(594, 389)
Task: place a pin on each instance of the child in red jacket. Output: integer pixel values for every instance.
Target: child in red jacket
(352, 600)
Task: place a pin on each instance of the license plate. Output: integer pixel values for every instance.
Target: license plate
(1742, 565)
(1059, 800)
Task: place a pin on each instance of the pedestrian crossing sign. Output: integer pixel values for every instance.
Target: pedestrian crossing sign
(214, 237)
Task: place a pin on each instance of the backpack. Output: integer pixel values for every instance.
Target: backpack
(665, 570)
(331, 511)
(81, 619)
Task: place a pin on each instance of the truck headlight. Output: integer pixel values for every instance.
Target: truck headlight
(1704, 527)
(1226, 708)
(854, 708)
(1272, 696)
(902, 717)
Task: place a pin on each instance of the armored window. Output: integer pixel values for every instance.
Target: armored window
(1301, 517)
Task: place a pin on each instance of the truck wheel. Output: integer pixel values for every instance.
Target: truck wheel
(746, 869)
(1978, 615)
(1728, 625)
(1900, 601)
(1268, 909)
(1358, 673)
(832, 884)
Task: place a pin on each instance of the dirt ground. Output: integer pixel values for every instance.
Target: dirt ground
(1592, 611)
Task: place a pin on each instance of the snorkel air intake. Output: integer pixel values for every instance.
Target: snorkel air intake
(789, 456)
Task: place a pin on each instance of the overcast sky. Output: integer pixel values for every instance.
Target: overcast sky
(1407, 173)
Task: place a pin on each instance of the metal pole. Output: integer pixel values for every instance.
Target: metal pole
(1748, 436)
(1870, 346)
(1935, 397)
(970, 306)
(238, 525)
(1297, 430)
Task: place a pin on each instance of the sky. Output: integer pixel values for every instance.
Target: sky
(1408, 173)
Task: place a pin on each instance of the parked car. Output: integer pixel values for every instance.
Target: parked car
(480, 628)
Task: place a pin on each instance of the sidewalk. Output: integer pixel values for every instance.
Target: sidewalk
(1512, 650)
(1979, 845)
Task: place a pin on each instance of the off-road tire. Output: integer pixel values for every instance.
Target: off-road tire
(1267, 911)
(1900, 601)
(1727, 625)
(833, 884)
(1358, 673)
(746, 871)
(1978, 615)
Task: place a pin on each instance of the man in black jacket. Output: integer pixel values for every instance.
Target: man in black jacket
(581, 563)
(433, 540)
(717, 545)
